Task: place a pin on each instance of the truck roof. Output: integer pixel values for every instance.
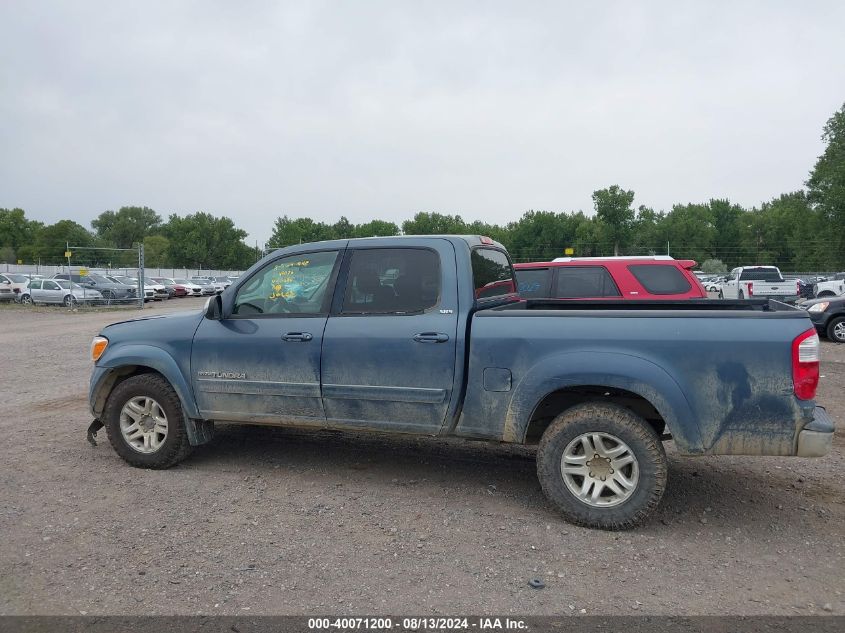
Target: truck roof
(471, 240)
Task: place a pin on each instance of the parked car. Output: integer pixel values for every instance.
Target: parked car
(831, 287)
(80, 293)
(173, 289)
(805, 287)
(109, 288)
(160, 292)
(223, 281)
(208, 288)
(58, 291)
(313, 335)
(6, 293)
(746, 282)
(627, 278)
(149, 291)
(828, 315)
(16, 282)
(193, 289)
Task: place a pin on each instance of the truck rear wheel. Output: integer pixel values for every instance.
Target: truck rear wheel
(145, 424)
(602, 466)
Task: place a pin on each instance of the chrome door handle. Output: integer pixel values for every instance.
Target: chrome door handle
(297, 337)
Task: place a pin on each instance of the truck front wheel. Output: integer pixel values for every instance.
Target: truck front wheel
(602, 466)
(145, 424)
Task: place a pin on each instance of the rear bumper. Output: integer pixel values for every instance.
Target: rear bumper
(816, 438)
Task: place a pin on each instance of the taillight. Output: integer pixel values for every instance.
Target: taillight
(797, 288)
(805, 364)
(750, 289)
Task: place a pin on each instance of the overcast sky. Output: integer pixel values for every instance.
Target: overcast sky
(383, 109)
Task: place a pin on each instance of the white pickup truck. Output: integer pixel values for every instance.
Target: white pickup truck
(830, 288)
(749, 282)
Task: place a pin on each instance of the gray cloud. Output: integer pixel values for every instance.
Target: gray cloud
(255, 109)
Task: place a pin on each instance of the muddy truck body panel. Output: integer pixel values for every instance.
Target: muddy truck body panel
(427, 335)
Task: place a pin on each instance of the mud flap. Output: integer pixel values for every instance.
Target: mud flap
(95, 426)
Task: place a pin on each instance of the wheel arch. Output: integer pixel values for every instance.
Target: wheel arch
(132, 360)
(566, 380)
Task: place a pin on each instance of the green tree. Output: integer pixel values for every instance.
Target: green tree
(287, 231)
(128, 227)
(613, 210)
(52, 241)
(156, 251)
(713, 266)
(376, 228)
(201, 240)
(826, 190)
(18, 234)
(434, 224)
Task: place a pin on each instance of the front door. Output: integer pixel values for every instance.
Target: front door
(389, 348)
(262, 363)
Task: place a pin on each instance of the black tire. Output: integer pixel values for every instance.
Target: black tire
(69, 301)
(644, 445)
(108, 297)
(832, 330)
(741, 295)
(175, 447)
(27, 300)
(721, 295)
(825, 294)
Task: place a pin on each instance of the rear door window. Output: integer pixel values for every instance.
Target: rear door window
(492, 273)
(533, 283)
(392, 281)
(583, 282)
(659, 279)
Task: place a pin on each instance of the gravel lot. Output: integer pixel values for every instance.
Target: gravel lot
(286, 522)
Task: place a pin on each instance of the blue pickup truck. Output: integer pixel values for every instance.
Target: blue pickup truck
(426, 335)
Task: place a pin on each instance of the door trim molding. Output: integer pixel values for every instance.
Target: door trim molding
(388, 394)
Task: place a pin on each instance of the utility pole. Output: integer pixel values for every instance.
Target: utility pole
(141, 275)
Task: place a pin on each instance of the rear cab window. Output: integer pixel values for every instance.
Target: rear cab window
(492, 273)
(659, 279)
(761, 274)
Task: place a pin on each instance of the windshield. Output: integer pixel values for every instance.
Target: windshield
(184, 281)
(18, 279)
(100, 279)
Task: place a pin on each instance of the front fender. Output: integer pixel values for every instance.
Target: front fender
(607, 369)
(136, 355)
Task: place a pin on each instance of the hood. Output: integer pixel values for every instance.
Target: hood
(840, 300)
(167, 320)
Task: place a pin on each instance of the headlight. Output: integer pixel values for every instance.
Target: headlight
(818, 307)
(98, 346)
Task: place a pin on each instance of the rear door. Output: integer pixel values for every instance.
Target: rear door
(389, 347)
(262, 363)
(51, 292)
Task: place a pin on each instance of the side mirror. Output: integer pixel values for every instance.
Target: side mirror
(214, 308)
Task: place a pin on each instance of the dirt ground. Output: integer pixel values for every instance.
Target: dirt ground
(274, 521)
